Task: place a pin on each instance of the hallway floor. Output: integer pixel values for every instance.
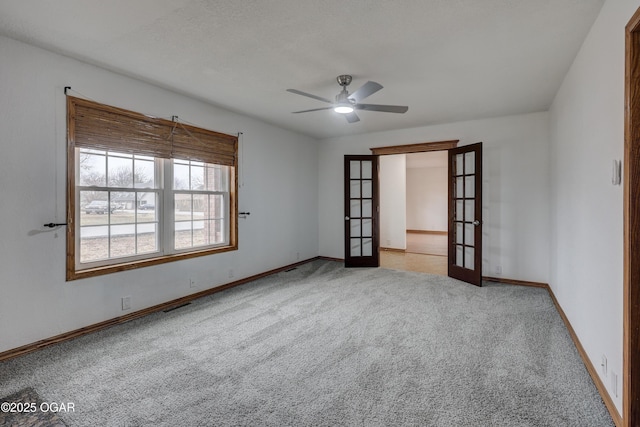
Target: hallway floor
(425, 253)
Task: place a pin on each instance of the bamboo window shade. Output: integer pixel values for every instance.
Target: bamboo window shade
(102, 127)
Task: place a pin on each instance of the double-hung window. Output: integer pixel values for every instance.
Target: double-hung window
(143, 191)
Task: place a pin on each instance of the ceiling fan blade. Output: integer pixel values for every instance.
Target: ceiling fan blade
(383, 108)
(352, 117)
(319, 98)
(369, 88)
(315, 109)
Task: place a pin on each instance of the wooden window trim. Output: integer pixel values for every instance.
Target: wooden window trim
(421, 147)
(165, 128)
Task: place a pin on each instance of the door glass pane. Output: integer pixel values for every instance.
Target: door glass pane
(355, 189)
(469, 210)
(367, 188)
(458, 165)
(459, 187)
(355, 209)
(459, 255)
(459, 210)
(468, 234)
(367, 227)
(468, 258)
(367, 208)
(469, 188)
(367, 247)
(356, 249)
(356, 228)
(367, 169)
(459, 233)
(469, 163)
(354, 168)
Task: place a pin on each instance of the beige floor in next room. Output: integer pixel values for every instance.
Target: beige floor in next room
(425, 253)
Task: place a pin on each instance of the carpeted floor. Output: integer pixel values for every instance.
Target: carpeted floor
(26, 409)
(323, 345)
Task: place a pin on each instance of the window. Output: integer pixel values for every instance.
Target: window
(144, 191)
(200, 195)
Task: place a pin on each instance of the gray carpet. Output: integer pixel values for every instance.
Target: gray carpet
(26, 409)
(324, 345)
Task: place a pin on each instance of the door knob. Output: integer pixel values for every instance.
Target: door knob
(346, 218)
(476, 223)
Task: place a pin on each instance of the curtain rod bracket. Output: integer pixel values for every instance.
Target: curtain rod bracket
(53, 224)
(174, 118)
(66, 88)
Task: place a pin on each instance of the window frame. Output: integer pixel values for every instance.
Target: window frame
(165, 193)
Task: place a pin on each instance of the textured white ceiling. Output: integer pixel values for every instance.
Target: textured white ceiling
(448, 60)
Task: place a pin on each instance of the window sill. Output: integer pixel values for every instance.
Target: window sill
(73, 274)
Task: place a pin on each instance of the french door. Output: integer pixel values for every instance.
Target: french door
(361, 200)
(465, 213)
(361, 248)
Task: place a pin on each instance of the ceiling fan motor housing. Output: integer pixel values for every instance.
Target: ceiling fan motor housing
(344, 80)
(343, 98)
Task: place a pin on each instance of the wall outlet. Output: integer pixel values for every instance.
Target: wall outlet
(603, 365)
(126, 303)
(192, 283)
(230, 273)
(614, 384)
(498, 269)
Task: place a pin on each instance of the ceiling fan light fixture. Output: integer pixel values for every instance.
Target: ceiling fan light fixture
(343, 108)
(346, 103)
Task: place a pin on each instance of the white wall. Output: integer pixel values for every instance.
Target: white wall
(516, 187)
(587, 125)
(427, 198)
(393, 201)
(278, 173)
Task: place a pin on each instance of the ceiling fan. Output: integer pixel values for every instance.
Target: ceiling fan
(347, 103)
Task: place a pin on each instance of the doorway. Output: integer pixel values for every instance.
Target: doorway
(464, 214)
(413, 212)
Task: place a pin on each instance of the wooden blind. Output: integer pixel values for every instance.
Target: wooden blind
(192, 143)
(102, 127)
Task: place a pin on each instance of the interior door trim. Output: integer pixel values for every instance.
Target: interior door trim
(421, 147)
(631, 212)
